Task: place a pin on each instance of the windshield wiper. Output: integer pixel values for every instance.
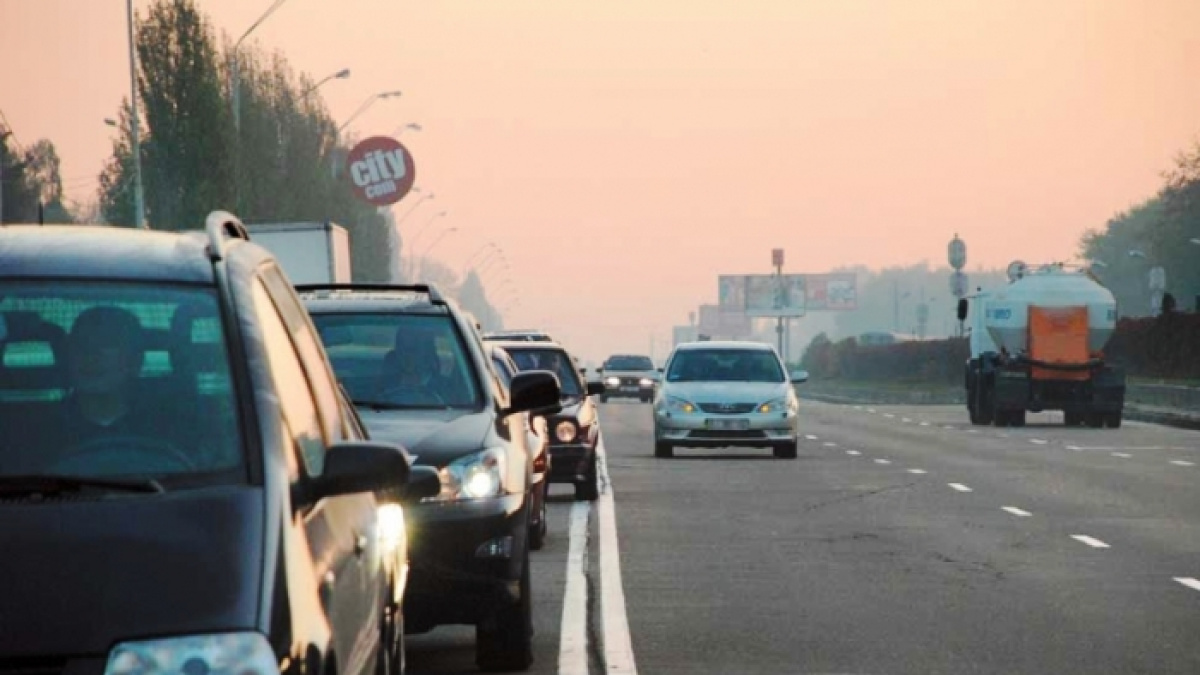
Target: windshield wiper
(54, 484)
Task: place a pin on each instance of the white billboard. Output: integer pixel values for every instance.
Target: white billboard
(775, 295)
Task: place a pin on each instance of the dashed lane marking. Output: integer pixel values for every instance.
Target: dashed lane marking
(1090, 541)
(959, 486)
(1017, 512)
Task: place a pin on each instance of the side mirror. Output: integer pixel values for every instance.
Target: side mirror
(423, 481)
(533, 390)
(963, 306)
(659, 369)
(360, 466)
(799, 376)
(595, 388)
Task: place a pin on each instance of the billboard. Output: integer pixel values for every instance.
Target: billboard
(723, 324)
(731, 292)
(775, 295)
(381, 169)
(832, 291)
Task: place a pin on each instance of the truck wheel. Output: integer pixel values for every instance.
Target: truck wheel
(1113, 420)
(1072, 419)
(1094, 420)
(1000, 418)
(1016, 418)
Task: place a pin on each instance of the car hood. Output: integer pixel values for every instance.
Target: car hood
(81, 575)
(727, 392)
(433, 437)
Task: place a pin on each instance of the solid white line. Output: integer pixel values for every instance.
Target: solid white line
(854, 453)
(1180, 462)
(811, 437)
(573, 649)
(1038, 441)
(1090, 541)
(883, 461)
(1016, 512)
(1123, 455)
(917, 471)
(1190, 582)
(618, 644)
(959, 486)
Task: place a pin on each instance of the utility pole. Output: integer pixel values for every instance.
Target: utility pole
(139, 202)
(777, 260)
(4, 134)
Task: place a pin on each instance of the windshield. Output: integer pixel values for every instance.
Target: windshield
(629, 363)
(553, 360)
(400, 360)
(115, 379)
(724, 365)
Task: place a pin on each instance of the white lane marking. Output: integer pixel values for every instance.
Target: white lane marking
(1017, 512)
(829, 445)
(573, 649)
(1190, 582)
(948, 427)
(1090, 541)
(1127, 447)
(871, 410)
(1181, 462)
(959, 486)
(924, 424)
(972, 431)
(917, 471)
(883, 461)
(1001, 435)
(1076, 448)
(1122, 455)
(890, 416)
(618, 644)
(858, 407)
(1038, 441)
(810, 437)
(853, 453)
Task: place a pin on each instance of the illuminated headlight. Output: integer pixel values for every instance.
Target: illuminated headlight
(566, 431)
(224, 654)
(779, 405)
(612, 382)
(679, 405)
(646, 382)
(477, 476)
(389, 520)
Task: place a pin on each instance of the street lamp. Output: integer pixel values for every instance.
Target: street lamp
(234, 84)
(406, 127)
(367, 104)
(342, 74)
(139, 201)
(441, 236)
(412, 257)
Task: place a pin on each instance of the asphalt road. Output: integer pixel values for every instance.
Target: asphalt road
(902, 540)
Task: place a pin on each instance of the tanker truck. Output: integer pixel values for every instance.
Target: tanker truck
(1037, 344)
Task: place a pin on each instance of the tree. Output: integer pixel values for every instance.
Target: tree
(32, 184)
(1109, 252)
(115, 194)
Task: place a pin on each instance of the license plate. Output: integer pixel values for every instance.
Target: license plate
(630, 389)
(728, 425)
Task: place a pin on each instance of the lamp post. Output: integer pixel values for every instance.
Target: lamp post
(440, 237)
(139, 202)
(367, 104)
(412, 257)
(342, 74)
(413, 126)
(234, 82)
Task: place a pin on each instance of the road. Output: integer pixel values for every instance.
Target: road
(902, 540)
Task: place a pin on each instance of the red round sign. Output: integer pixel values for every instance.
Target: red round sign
(381, 170)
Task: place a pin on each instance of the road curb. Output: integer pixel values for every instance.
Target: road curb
(1177, 420)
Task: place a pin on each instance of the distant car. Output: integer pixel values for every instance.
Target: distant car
(628, 376)
(418, 374)
(185, 488)
(517, 336)
(727, 394)
(539, 441)
(575, 430)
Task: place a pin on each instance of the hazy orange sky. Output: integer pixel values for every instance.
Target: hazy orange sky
(624, 153)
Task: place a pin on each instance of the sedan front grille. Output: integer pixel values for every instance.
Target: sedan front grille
(727, 408)
(714, 434)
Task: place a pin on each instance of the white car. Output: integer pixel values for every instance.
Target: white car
(727, 394)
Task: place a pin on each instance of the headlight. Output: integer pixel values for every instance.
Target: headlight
(224, 654)
(389, 520)
(675, 404)
(646, 382)
(612, 382)
(777, 406)
(566, 431)
(477, 476)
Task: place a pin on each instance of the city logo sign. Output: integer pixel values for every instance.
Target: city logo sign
(381, 170)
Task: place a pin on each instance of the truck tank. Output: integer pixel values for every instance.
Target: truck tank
(1007, 310)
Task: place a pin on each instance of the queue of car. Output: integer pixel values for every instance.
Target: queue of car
(354, 463)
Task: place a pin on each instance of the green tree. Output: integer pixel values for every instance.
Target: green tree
(1108, 251)
(32, 183)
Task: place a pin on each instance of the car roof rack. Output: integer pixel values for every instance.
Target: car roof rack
(222, 226)
(435, 296)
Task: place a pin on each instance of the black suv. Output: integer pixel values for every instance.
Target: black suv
(415, 368)
(183, 484)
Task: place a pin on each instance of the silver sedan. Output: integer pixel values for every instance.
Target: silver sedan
(727, 394)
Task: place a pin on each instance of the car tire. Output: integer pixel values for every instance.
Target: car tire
(537, 533)
(603, 398)
(1113, 420)
(1094, 420)
(587, 490)
(504, 643)
(786, 451)
(663, 450)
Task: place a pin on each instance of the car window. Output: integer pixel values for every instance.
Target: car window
(401, 360)
(502, 370)
(553, 360)
(312, 357)
(725, 365)
(629, 363)
(292, 387)
(101, 378)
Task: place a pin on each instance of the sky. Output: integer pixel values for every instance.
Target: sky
(624, 153)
